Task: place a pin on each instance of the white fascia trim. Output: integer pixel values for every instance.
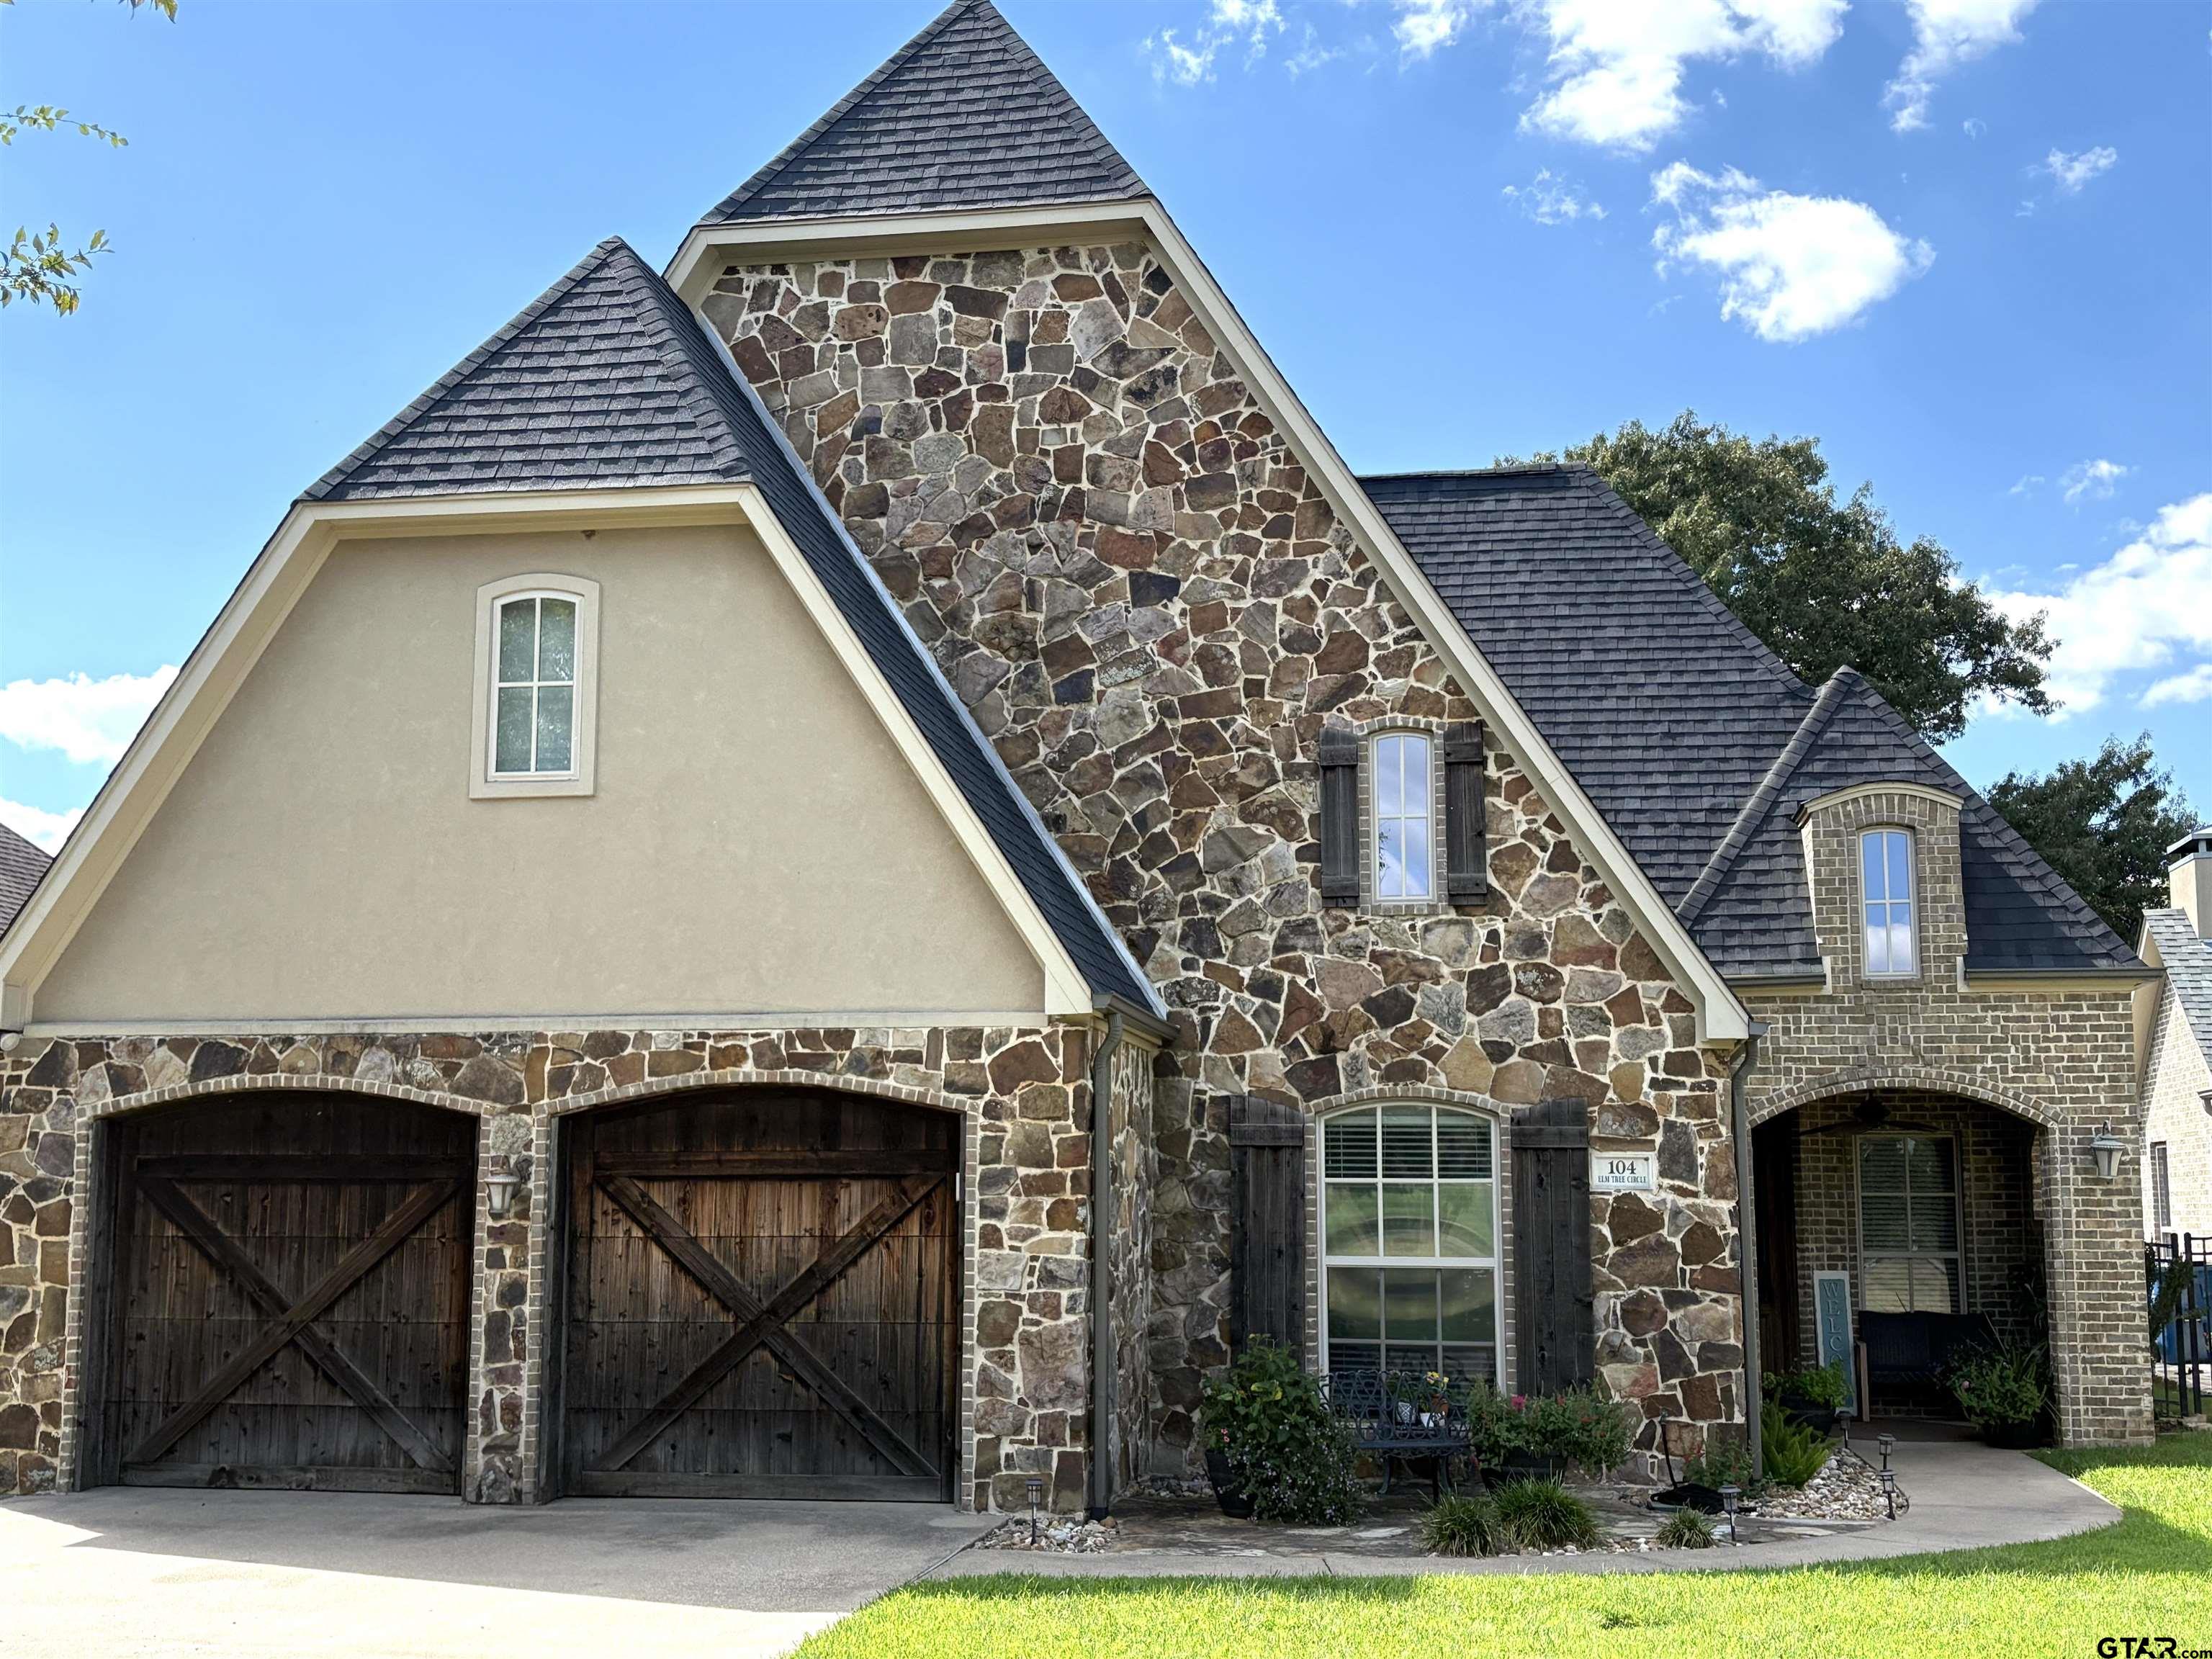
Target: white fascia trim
(1067, 991)
(1721, 1017)
(290, 562)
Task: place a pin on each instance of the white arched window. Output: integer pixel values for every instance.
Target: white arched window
(1886, 897)
(536, 686)
(1409, 1241)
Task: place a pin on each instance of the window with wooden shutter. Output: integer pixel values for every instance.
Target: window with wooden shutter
(1466, 871)
(1339, 818)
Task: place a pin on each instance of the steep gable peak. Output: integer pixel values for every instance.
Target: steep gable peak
(965, 115)
(605, 379)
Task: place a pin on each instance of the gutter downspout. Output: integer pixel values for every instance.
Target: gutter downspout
(1746, 1234)
(1102, 1302)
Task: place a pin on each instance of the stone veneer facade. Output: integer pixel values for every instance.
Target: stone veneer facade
(2060, 1057)
(1150, 610)
(1024, 1094)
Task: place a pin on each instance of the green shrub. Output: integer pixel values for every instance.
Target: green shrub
(1685, 1529)
(1795, 1453)
(1579, 1426)
(1816, 1385)
(1544, 1516)
(1723, 1463)
(1466, 1523)
(2002, 1386)
(1289, 1453)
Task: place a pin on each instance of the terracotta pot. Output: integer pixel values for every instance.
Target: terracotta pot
(1236, 1502)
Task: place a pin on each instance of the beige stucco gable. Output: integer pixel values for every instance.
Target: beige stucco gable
(756, 843)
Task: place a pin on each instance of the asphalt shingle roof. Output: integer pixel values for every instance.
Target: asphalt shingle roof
(1694, 739)
(965, 115)
(2188, 963)
(21, 864)
(606, 380)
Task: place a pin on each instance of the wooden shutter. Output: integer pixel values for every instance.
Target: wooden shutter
(1340, 816)
(1267, 1222)
(1466, 873)
(1552, 1296)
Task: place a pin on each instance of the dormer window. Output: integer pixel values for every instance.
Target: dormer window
(1887, 898)
(536, 686)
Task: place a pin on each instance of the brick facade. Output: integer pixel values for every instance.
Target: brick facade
(2177, 1087)
(2059, 1058)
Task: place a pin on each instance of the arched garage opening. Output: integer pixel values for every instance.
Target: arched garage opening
(285, 1278)
(760, 1298)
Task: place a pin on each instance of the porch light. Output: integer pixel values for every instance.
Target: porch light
(499, 1192)
(1036, 1493)
(2106, 1147)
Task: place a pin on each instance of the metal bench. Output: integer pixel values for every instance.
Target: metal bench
(1391, 1429)
(1909, 1353)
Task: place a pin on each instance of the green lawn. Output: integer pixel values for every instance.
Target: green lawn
(2151, 1574)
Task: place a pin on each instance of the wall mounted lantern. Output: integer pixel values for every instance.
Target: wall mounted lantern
(2105, 1148)
(499, 1192)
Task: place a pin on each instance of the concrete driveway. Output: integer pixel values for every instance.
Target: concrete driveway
(129, 1572)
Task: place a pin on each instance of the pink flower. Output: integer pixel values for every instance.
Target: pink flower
(1520, 1401)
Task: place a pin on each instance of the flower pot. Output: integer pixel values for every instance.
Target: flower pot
(1523, 1465)
(1236, 1502)
(2012, 1437)
(1798, 1409)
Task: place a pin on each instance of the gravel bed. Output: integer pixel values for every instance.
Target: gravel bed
(1063, 1535)
(1844, 1490)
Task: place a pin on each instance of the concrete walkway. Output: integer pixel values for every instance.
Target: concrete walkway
(1964, 1495)
(134, 1573)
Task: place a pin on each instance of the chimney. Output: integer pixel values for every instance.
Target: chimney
(2189, 877)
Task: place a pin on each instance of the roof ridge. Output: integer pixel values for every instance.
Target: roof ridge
(1089, 140)
(370, 446)
(1761, 802)
(768, 170)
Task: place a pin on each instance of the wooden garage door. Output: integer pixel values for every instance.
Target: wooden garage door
(291, 1296)
(763, 1299)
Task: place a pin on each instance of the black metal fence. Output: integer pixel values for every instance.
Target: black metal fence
(2178, 1274)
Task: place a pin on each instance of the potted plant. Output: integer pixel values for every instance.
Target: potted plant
(2005, 1392)
(1273, 1451)
(1811, 1396)
(1228, 1489)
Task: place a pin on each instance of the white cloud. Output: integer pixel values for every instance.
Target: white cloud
(1424, 28)
(1945, 34)
(1311, 54)
(2195, 686)
(1551, 199)
(2026, 485)
(87, 719)
(2137, 611)
(1790, 266)
(2091, 480)
(2072, 171)
(43, 829)
(1616, 68)
(1227, 23)
(1973, 126)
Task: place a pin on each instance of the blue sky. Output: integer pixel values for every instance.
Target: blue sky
(1964, 242)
